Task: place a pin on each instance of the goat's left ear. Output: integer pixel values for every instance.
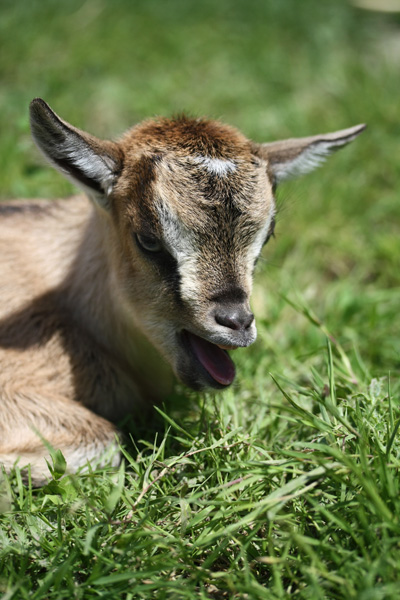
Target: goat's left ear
(297, 156)
(91, 163)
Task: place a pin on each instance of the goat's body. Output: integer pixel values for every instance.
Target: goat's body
(102, 300)
(63, 352)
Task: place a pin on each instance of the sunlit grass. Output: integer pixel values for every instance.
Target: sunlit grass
(287, 485)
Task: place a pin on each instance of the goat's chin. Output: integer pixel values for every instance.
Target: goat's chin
(202, 365)
(198, 380)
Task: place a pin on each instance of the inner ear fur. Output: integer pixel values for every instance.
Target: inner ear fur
(296, 156)
(91, 163)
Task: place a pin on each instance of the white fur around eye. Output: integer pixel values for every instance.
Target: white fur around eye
(182, 246)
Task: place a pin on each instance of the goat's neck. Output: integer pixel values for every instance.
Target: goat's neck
(86, 289)
(93, 297)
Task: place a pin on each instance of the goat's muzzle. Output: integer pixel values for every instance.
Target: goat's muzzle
(206, 362)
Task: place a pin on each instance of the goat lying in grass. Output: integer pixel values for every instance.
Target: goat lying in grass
(104, 296)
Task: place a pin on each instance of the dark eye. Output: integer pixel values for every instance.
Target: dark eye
(149, 243)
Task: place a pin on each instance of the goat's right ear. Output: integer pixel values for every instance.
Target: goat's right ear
(91, 163)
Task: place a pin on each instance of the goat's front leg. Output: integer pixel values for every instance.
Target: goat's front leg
(31, 423)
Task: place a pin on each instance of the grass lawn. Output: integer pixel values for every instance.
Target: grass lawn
(286, 485)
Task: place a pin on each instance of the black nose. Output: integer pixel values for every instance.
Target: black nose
(234, 316)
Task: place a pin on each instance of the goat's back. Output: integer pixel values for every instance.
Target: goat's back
(38, 240)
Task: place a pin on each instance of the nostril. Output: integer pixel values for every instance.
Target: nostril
(237, 318)
(249, 320)
(227, 320)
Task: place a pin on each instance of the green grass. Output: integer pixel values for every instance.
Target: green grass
(287, 485)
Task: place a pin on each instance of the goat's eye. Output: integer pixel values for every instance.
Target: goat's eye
(149, 243)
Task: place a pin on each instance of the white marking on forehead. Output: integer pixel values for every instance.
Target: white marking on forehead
(182, 246)
(216, 166)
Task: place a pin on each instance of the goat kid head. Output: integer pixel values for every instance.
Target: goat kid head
(189, 204)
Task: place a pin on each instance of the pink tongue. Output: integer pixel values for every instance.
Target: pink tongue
(215, 360)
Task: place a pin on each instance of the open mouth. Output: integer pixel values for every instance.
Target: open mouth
(213, 358)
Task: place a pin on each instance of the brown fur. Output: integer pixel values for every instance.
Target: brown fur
(91, 324)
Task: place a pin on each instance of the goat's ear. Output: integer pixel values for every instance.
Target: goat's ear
(297, 156)
(90, 163)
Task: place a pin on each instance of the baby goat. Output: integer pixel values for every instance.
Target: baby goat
(104, 296)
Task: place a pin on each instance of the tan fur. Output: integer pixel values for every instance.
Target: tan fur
(93, 326)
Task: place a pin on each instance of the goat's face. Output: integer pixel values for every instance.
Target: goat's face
(191, 205)
(195, 207)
